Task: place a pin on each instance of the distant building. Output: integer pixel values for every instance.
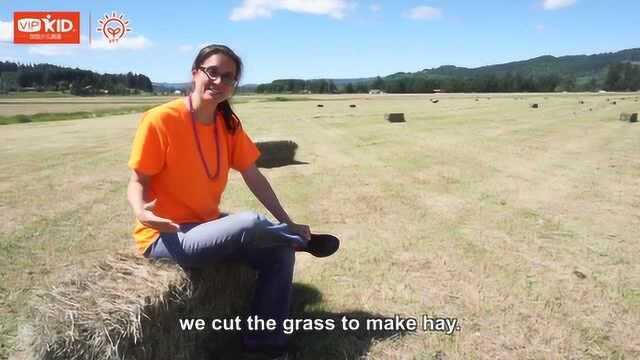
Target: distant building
(376, 92)
(177, 92)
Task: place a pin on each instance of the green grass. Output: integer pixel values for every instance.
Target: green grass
(56, 94)
(40, 117)
(35, 94)
(631, 296)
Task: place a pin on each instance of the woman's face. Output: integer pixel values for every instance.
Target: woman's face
(215, 80)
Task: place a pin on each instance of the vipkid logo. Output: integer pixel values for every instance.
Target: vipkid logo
(40, 27)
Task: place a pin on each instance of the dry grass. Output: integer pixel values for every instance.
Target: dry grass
(27, 106)
(485, 211)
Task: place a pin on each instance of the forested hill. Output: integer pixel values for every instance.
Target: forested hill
(577, 65)
(17, 77)
(619, 71)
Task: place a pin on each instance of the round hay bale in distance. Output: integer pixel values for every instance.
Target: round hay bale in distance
(394, 117)
(352, 105)
(534, 106)
(633, 117)
(319, 105)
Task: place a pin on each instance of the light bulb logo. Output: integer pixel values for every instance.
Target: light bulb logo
(114, 27)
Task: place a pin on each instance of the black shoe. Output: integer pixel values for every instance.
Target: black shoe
(321, 245)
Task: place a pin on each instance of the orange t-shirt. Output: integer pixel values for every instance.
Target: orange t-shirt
(165, 148)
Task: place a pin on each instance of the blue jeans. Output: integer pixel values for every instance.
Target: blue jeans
(249, 237)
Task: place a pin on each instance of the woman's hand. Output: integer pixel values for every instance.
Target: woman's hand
(148, 218)
(302, 230)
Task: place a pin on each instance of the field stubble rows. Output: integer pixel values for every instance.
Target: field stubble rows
(520, 222)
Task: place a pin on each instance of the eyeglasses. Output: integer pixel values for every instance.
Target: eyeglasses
(228, 79)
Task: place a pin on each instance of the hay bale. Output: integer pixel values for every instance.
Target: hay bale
(127, 307)
(581, 102)
(534, 106)
(319, 105)
(276, 153)
(352, 105)
(435, 101)
(614, 102)
(629, 117)
(394, 117)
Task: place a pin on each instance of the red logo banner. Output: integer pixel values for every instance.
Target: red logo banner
(44, 27)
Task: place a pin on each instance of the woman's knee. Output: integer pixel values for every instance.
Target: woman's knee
(249, 219)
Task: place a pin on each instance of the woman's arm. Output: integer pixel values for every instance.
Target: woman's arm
(138, 183)
(260, 187)
(135, 191)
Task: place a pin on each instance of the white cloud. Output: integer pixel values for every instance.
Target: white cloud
(557, 4)
(375, 8)
(252, 9)
(129, 43)
(424, 13)
(6, 30)
(50, 50)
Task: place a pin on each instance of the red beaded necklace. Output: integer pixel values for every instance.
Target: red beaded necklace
(215, 138)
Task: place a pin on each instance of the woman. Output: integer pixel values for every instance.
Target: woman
(179, 163)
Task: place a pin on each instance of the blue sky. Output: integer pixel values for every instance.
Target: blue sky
(331, 38)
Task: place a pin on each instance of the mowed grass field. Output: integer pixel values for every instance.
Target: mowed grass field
(521, 223)
(28, 106)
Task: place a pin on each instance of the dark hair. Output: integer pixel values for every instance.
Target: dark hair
(231, 120)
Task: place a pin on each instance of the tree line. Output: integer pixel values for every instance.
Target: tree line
(47, 77)
(320, 86)
(623, 77)
(619, 77)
